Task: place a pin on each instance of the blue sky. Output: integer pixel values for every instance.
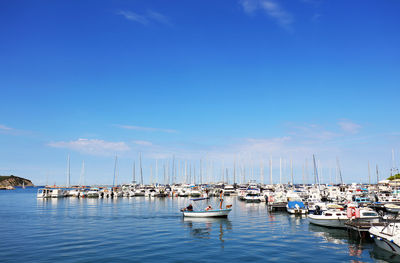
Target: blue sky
(211, 80)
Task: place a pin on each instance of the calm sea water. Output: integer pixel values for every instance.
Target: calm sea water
(148, 230)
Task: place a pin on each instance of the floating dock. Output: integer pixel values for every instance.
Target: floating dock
(362, 227)
(277, 207)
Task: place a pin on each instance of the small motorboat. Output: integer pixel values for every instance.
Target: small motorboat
(196, 211)
(296, 207)
(209, 213)
(363, 215)
(387, 237)
(392, 208)
(329, 218)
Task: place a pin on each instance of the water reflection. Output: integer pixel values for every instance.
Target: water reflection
(331, 235)
(207, 227)
(381, 254)
(355, 246)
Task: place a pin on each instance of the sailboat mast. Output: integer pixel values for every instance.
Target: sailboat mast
(280, 170)
(68, 172)
(134, 173)
(234, 171)
(81, 181)
(156, 172)
(291, 170)
(115, 171)
(262, 172)
(141, 169)
(369, 174)
(270, 170)
(340, 172)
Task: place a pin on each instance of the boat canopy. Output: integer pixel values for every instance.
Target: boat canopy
(292, 204)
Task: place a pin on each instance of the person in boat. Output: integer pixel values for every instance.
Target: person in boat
(189, 208)
(221, 199)
(208, 208)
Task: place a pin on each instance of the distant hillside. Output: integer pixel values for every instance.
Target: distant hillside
(14, 181)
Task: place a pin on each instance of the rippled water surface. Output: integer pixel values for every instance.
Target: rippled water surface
(147, 230)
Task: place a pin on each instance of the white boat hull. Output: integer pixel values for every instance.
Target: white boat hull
(296, 211)
(386, 242)
(387, 245)
(337, 223)
(211, 213)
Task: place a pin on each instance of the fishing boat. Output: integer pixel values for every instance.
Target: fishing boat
(209, 213)
(387, 237)
(191, 211)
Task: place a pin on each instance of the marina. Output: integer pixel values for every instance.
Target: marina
(146, 217)
(200, 131)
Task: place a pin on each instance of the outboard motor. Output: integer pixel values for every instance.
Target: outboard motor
(317, 210)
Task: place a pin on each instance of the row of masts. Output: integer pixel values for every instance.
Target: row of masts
(199, 172)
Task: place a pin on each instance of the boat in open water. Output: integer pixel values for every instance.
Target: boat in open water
(209, 213)
(196, 211)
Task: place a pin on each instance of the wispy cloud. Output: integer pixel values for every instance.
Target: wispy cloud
(134, 17)
(5, 128)
(349, 126)
(160, 18)
(272, 9)
(143, 143)
(275, 11)
(148, 129)
(92, 146)
(150, 17)
(312, 133)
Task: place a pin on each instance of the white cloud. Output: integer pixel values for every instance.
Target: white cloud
(349, 126)
(271, 8)
(5, 128)
(312, 133)
(146, 18)
(141, 128)
(249, 6)
(92, 146)
(134, 17)
(275, 11)
(143, 143)
(160, 18)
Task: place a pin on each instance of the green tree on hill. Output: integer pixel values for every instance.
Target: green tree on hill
(393, 177)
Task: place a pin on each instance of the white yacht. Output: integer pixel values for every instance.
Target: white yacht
(93, 193)
(229, 190)
(57, 193)
(252, 197)
(44, 193)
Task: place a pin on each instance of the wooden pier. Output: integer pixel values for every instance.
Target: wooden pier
(276, 207)
(362, 227)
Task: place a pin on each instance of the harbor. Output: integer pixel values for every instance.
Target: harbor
(200, 131)
(129, 226)
(354, 207)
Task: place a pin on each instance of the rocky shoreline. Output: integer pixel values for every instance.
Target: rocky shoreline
(9, 182)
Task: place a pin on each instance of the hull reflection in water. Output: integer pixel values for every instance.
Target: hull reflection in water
(381, 254)
(207, 227)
